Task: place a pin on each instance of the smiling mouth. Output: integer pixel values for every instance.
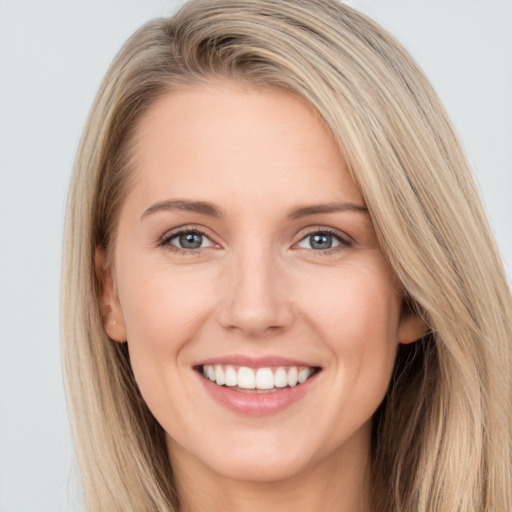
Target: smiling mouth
(257, 380)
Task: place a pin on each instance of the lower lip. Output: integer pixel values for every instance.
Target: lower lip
(257, 404)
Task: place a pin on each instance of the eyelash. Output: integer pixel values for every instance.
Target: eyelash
(165, 241)
(344, 241)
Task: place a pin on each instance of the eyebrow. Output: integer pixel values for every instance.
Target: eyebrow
(317, 209)
(201, 207)
(206, 208)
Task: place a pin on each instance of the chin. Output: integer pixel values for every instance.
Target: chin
(258, 469)
(248, 460)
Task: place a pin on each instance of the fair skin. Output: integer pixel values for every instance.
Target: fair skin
(244, 242)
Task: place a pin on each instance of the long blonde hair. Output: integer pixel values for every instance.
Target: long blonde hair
(442, 438)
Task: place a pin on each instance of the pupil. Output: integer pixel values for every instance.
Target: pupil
(321, 241)
(191, 240)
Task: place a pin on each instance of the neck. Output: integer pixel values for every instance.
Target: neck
(339, 483)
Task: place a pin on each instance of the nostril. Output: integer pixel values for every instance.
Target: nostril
(255, 302)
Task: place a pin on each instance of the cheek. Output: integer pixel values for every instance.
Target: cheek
(357, 319)
(160, 306)
(160, 319)
(355, 308)
(163, 312)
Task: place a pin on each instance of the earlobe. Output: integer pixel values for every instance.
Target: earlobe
(412, 327)
(110, 307)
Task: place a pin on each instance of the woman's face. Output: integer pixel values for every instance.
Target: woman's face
(244, 252)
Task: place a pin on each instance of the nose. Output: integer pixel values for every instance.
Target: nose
(255, 299)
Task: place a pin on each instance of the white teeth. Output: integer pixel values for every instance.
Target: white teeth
(246, 378)
(262, 378)
(220, 378)
(231, 377)
(303, 375)
(292, 376)
(280, 378)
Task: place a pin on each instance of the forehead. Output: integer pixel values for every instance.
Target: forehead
(226, 140)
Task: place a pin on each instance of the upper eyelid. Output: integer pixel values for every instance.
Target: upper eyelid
(165, 240)
(342, 235)
(187, 228)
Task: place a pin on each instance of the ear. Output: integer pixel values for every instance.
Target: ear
(412, 327)
(110, 307)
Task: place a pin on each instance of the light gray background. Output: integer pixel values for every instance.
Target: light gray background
(52, 57)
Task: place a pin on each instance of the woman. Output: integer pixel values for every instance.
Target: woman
(280, 288)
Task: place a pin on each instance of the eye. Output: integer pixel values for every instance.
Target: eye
(322, 241)
(187, 240)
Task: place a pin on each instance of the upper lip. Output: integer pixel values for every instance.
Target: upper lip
(254, 362)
